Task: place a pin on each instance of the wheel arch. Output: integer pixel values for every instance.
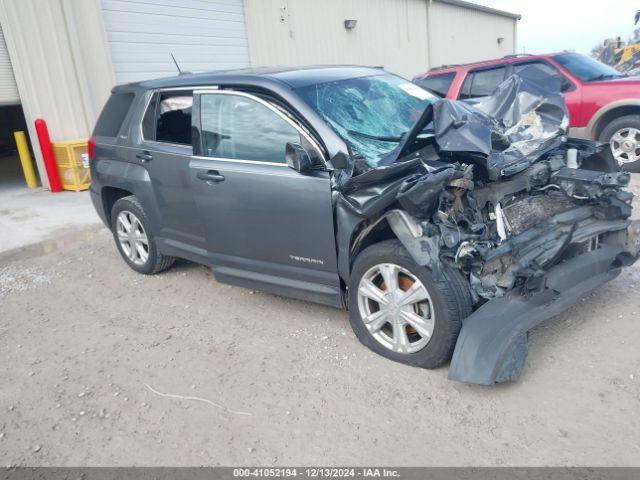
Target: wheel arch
(609, 113)
(399, 225)
(109, 196)
(368, 234)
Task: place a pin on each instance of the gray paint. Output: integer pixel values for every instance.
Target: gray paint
(265, 226)
(489, 348)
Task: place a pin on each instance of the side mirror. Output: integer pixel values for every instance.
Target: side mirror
(297, 157)
(339, 161)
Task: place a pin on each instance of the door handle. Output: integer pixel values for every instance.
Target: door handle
(144, 157)
(211, 177)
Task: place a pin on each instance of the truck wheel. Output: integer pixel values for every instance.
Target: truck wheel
(403, 311)
(134, 239)
(623, 135)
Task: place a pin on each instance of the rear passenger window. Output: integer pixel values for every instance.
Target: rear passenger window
(482, 83)
(172, 118)
(437, 84)
(113, 115)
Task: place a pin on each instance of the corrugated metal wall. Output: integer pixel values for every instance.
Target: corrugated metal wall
(61, 63)
(62, 56)
(460, 35)
(389, 33)
(8, 89)
(202, 35)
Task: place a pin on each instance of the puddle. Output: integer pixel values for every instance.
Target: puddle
(60, 240)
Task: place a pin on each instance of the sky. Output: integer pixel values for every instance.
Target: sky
(555, 25)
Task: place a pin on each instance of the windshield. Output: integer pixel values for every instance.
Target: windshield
(585, 68)
(370, 113)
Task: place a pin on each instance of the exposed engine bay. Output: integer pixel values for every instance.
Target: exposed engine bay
(504, 234)
(531, 218)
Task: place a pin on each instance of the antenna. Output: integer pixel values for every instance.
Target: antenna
(177, 66)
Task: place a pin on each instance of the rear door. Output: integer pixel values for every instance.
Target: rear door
(266, 225)
(165, 150)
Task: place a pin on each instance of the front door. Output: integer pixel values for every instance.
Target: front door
(266, 225)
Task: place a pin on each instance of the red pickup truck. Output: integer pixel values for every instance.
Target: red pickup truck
(603, 103)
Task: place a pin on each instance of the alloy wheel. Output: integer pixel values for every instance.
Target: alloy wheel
(396, 308)
(132, 237)
(625, 145)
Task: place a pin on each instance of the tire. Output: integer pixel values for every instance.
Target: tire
(449, 303)
(621, 125)
(151, 263)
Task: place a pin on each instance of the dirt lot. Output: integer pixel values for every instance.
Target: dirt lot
(88, 347)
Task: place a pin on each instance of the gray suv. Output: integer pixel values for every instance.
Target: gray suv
(446, 230)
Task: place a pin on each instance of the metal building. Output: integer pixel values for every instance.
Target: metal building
(60, 58)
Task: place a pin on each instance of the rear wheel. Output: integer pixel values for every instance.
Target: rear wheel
(403, 311)
(134, 238)
(623, 137)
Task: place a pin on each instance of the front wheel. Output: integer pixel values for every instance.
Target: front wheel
(403, 311)
(623, 137)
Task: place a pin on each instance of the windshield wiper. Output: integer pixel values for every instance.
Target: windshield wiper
(377, 137)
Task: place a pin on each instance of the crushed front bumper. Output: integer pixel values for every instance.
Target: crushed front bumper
(492, 345)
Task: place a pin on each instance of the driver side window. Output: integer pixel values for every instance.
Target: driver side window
(240, 128)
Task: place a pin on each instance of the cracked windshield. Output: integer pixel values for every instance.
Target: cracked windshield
(371, 113)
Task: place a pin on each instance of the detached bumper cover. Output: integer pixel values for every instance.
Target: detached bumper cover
(492, 345)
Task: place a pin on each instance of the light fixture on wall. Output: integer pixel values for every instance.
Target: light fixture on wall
(500, 40)
(350, 24)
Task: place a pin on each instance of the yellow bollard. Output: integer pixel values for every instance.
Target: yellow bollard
(25, 159)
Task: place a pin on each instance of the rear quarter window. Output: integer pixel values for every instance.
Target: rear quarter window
(437, 84)
(113, 114)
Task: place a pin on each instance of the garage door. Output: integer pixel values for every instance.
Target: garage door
(203, 35)
(8, 90)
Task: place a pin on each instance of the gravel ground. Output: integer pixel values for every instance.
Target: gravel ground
(91, 350)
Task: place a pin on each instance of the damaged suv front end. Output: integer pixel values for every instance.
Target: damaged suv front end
(530, 219)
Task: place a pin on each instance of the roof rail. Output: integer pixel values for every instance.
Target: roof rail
(513, 55)
(440, 67)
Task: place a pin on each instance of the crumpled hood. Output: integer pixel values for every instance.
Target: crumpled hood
(512, 128)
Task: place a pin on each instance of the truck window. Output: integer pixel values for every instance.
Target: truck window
(540, 65)
(437, 84)
(585, 68)
(482, 83)
(113, 115)
(565, 83)
(173, 118)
